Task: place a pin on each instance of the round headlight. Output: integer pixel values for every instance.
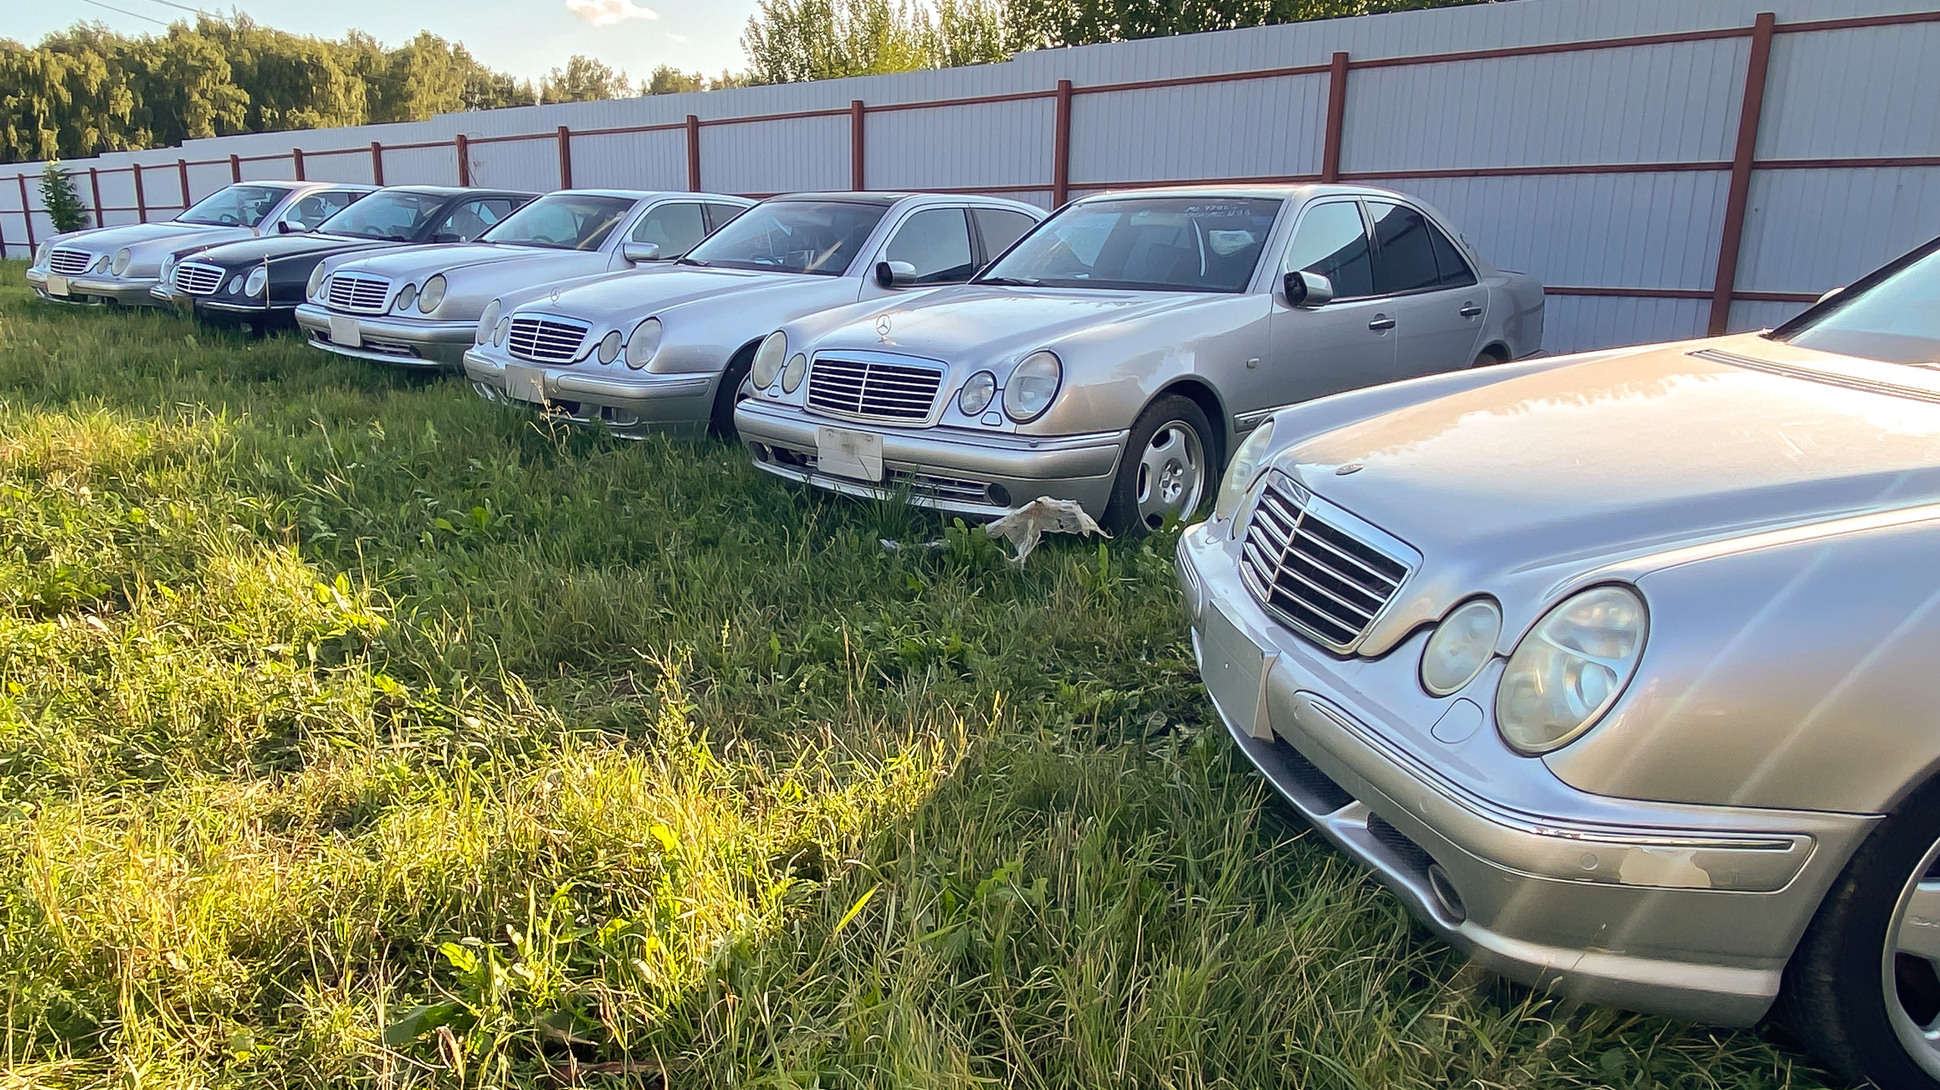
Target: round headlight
(432, 295)
(1031, 387)
(642, 343)
(791, 375)
(313, 288)
(1461, 645)
(498, 334)
(257, 280)
(406, 295)
(101, 264)
(486, 321)
(41, 255)
(610, 347)
(1569, 669)
(235, 284)
(123, 257)
(767, 359)
(1243, 470)
(977, 392)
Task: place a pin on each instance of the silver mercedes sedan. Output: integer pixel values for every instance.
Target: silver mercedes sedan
(669, 348)
(1119, 351)
(1619, 668)
(123, 264)
(418, 306)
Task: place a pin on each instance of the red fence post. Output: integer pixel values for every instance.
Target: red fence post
(693, 154)
(565, 157)
(27, 214)
(3, 241)
(235, 168)
(1336, 119)
(1061, 148)
(296, 161)
(141, 198)
(856, 169)
(94, 183)
(463, 147)
(1733, 236)
(182, 168)
(376, 163)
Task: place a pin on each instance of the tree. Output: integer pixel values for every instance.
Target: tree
(57, 195)
(791, 41)
(668, 80)
(584, 80)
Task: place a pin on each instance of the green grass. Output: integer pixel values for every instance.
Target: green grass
(354, 732)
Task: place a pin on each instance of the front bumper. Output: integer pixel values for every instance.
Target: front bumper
(954, 470)
(90, 289)
(1681, 910)
(630, 404)
(385, 338)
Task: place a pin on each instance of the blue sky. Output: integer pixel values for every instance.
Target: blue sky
(524, 37)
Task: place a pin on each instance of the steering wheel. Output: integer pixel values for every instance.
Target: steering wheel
(228, 219)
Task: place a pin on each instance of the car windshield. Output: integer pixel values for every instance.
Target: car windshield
(1155, 243)
(235, 206)
(820, 237)
(1895, 320)
(385, 215)
(562, 221)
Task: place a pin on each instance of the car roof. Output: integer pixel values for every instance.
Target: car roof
(644, 194)
(456, 190)
(1272, 192)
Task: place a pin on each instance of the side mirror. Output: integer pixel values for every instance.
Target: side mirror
(1308, 291)
(638, 252)
(283, 227)
(1827, 295)
(895, 274)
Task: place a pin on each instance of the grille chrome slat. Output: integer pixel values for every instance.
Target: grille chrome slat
(546, 340)
(198, 278)
(875, 389)
(66, 262)
(357, 293)
(1317, 569)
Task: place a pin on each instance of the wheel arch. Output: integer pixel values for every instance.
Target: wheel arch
(1200, 392)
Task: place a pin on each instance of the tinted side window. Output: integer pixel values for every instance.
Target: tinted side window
(1000, 228)
(1455, 272)
(1332, 241)
(1405, 260)
(317, 207)
(719, 215)
(675, 227)
(937, 242)
(472, 218)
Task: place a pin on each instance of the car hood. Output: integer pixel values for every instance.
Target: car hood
(279, 247)
(1550, 475)
(109, 239)
(415, 261)
(652, 291)
(994, 322)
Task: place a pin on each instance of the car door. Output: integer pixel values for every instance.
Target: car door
(1347, 343)
(1439, 305)
(674, 226)
(935, 242)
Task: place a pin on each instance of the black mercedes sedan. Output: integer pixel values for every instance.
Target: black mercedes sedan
(260, 281)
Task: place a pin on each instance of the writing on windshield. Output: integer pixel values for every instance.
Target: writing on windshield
(1154, 243)
(819, 237)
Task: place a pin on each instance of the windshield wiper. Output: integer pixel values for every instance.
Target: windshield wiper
(690, 261)
(1011, 281)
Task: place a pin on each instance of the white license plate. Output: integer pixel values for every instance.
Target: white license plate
(848, 453)
(525, 384)
(344, 331)
(57, 285)
(1234, 670)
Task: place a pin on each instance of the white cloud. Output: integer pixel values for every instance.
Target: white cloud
(608, 12)
(681, 38)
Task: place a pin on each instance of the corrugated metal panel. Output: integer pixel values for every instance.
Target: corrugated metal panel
(651, 160)
(1746, 315)
(421, 166)
(999, 143)
(517, 164)
(1590, 230)
(1578, 324)
(1240, 129)
(1810, 230)
(280, 169)
(203, 180)
(352, 165)
(776, 156)
(1865, 92)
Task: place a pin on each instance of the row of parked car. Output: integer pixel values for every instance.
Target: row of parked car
(1615, 667)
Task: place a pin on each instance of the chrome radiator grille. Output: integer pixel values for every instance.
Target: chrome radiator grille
(349, 291)
(196, 278)
(1313, 570)
(69, 262)
(546, 340)
(872, 388)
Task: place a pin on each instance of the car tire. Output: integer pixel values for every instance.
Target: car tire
(1168, 469)
(720, 422)
(1859, 1008)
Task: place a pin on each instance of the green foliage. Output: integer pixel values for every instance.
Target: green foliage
(58, 197)
(1052, 23)
(791, 41)
(668, 80)
(357, 733)
(584, 80)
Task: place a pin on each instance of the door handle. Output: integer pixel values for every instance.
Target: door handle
(1381, 323)
(1469, 310)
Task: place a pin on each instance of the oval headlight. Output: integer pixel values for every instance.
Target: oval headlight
(41, 255)
(487, 320)
(313, 289)
(767, 359)
(123, 258)
(1243, 470)
(1031, 387)
(791, 375)
(1460, 646)
(642, 343)
(498, 334)
(977, 392)
(1569, 669)
(610, 347)
(432, 295)
(406, 295)
(257, 280)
